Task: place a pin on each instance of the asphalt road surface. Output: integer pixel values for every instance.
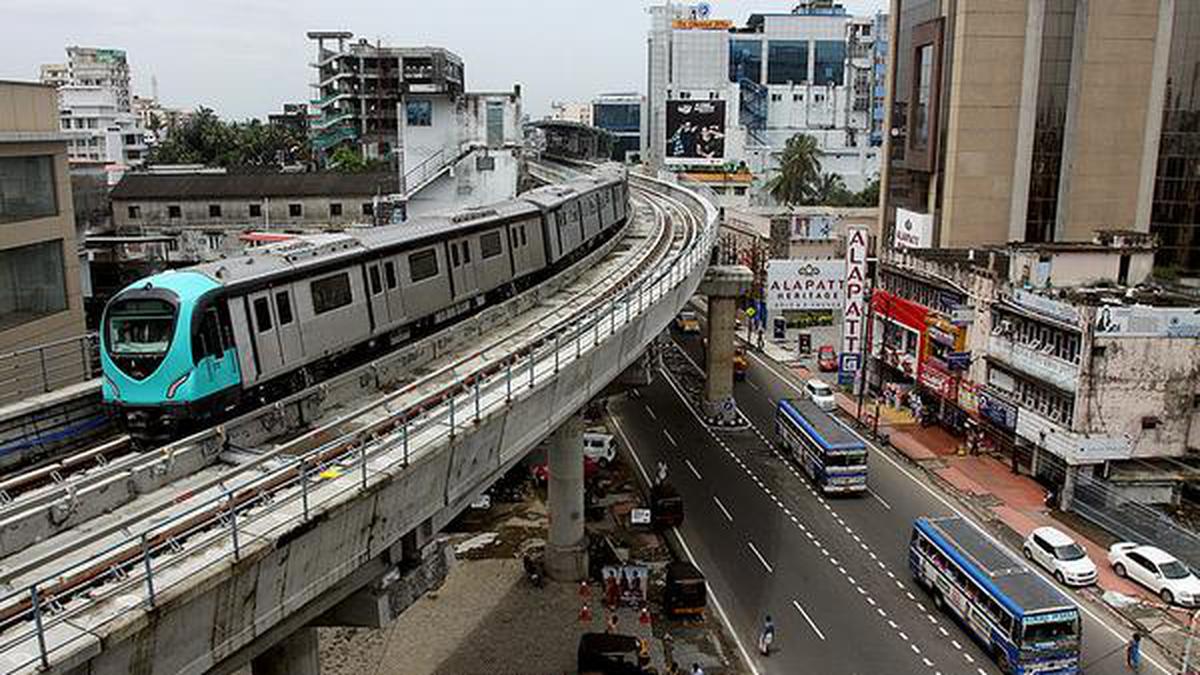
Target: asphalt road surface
(832, 572)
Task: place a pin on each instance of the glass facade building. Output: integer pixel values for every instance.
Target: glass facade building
(1058, 31)
(787, 61)
(829, 62)
(745, 60)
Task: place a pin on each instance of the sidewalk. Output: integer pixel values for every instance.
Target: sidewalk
(987, 485)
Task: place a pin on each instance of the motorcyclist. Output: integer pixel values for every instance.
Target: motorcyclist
(766, 637)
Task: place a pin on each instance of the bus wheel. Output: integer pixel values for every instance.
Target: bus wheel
(938, 601)
(1002, 660)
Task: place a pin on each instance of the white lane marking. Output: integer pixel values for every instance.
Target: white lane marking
(766, 565)
(752, 385)
(808, 619)
(945, 502)
(724, 510)
(879, 499)
(693, 469)
(691, 558)
(670, 438)
(650, 412)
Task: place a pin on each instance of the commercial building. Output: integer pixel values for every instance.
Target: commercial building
(720, 94)
(1065, 357)
(39, 266)
(570, 111)
(157, 120)
(1043, 121)
(621, 114)
(360, 87)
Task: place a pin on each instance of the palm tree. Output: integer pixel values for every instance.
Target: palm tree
(831, 191)
(799, 171)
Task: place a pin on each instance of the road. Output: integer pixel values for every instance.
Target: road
(832, 572)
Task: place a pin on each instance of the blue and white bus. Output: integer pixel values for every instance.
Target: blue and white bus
(1026, 623)
(834, 458)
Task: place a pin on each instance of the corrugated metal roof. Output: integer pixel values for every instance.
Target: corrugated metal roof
(141, 186)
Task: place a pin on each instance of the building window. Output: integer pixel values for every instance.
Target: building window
(745, 60)
(214, 210)
(31, 283)
(331, 293)
(419, 113)
(295, 210)
(174, 211)
(776, 97)
(422, 265)
(27, 188)
(256, 210)
(787, 61)
(829, 62)
(368, 208)
(214, 239)
(335, 210)
(134, 211)
(495, 124)
(924, 84)
(490, 244)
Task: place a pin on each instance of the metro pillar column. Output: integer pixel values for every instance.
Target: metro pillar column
(723, 284)
(566, 548)
(296, 654)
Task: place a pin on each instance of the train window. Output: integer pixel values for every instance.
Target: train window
(453, 255)
(262, 314)
(389, 272)
(524, 241)
(489, 244)
(466, 247)
(376, 283)
(512, 237)
(422, 265)
(283, 307)
(210, 340)
(331, 293)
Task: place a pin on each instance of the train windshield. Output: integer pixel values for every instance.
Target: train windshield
(141, 327)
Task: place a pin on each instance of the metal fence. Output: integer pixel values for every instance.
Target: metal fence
(1097, 501)
(134, 572)
(46, 367)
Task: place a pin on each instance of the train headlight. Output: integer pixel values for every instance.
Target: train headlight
(177, 384)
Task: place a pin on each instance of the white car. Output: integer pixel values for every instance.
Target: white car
(599, 446)
(820, 393)
(1061, 556)
(1157, 570)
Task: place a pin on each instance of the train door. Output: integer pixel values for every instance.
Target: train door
(291, 341)
(462, 268)
(391, 290)
(262, 322)
(375, 293)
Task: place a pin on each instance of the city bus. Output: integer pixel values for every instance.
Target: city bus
(834, 458)
(1025, 622)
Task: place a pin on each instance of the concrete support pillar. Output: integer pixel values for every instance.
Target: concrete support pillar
(723, 284)
(1066, 498)
(294, 655)
(566, 548)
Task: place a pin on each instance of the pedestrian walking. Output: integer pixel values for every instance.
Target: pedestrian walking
(662, 472)
(766, 637)
(1133, 653)
(697, 670)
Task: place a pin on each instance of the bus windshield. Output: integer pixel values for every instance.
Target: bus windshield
(846, 459)
(1047, 632)
(140, 327)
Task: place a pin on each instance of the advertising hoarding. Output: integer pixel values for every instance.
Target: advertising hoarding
(819, 227)
(854, 315)
(805, 284)
(913, 230)
(1142, 321)
(695, 132)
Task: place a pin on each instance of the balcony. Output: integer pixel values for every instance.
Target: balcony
(1033, 362)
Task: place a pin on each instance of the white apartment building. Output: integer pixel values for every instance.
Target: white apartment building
(107, 68)
(571, 111)
(723, 96)
(97, 130)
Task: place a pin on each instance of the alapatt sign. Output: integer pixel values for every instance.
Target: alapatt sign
(805, 284)
(854, 315)
(913, 230)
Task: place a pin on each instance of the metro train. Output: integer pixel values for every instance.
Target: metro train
(192, 346)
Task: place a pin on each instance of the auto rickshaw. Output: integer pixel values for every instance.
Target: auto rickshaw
(686, 593)
(608, 654)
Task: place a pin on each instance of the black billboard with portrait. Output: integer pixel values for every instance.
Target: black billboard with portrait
(696, 130)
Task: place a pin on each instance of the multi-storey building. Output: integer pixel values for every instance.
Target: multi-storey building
(570, 111)
(721, 94)
(1042, 121)
(360, 87)
(39, 265)
(55, 75)
(98, 131)
(621, 115)
(157, 120)
(106, 68)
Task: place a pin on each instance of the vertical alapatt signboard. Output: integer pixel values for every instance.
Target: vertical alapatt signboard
(854, 315)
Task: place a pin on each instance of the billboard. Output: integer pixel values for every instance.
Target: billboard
(1143, 321)
(805, 284)
(816, 226)
(695, 132)
(913, 230)
(854, 315)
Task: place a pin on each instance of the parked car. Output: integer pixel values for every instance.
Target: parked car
(541, 470)
(826, 359)
(600, 446)
(1157, 570)
(821, 394)
(1061, 556)
(687, 322)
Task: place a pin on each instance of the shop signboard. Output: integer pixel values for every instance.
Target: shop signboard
(805, 284)
(938, 382)
(854, 313)
(913, 230)
(968, 398)
(962, 315)
(958, 360)
(996, 409)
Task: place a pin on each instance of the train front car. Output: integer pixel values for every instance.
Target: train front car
(168, 356)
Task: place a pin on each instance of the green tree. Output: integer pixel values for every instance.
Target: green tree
(869, 196)
(206, 139)
(799, 171)
(831, 190)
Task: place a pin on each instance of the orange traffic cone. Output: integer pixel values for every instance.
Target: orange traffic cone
(585, 614)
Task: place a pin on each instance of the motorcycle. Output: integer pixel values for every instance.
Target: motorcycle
(535, 568)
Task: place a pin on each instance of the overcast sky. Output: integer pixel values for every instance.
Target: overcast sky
(244, 58)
